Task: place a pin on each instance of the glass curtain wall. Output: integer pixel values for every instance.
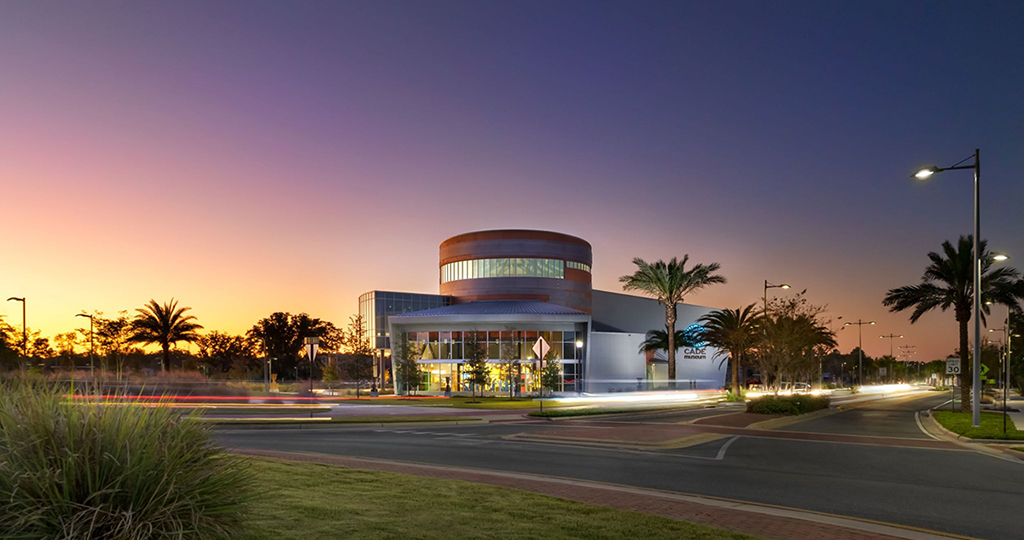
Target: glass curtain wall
(507, 267)
(441, 356)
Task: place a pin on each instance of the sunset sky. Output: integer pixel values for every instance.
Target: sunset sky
(250, 157)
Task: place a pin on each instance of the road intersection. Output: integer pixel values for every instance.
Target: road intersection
(869, 461)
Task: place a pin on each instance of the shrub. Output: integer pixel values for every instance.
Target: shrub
(83, 469)
(730, 397)
(789, 405)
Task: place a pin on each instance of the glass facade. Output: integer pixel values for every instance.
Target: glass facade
(578, 266)
(376, 306)
(508, 267)
(441, 355)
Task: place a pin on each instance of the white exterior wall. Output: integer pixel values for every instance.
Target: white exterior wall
(615, 363)
(617, 314)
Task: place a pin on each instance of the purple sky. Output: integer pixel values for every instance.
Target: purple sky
(247, 157)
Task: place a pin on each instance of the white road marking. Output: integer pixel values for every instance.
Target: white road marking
(721, 451)
(917, 418)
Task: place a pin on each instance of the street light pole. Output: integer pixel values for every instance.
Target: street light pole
(976, 364)
(907, 351)
(860, 348)
(92, 355)
(770, 286)
(891, 337)
(24, 329)
(1008, 332)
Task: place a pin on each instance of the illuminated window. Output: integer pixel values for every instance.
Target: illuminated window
(510, 267)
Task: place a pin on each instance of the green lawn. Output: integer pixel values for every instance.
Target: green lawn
(298, 419)
(991, 426)
(302, 501)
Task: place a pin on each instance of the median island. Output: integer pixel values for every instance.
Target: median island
(787, 405)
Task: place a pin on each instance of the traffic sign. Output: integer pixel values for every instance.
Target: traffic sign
(541, 349)
(953, 365)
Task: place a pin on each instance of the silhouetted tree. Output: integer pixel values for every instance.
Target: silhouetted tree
(948, 282)
(164, 325)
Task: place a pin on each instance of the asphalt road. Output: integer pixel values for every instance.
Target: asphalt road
(956, 491)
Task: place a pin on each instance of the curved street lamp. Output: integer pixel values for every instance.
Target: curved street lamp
(860, 347)
(924, 174)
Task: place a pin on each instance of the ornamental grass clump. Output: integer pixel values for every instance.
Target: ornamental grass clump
(90, 468)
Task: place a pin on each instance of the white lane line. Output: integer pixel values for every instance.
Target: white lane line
(917, 418)
(721, 451)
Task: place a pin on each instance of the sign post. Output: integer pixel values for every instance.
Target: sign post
(952, 368)
(312, 344)
(541, 348)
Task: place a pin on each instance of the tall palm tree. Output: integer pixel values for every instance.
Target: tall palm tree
(668, 282)
(657, 340)
(164, 325)
(735, 331)
(948, 282)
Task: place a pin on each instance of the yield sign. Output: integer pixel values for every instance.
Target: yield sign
(312, 344)
(541, 349)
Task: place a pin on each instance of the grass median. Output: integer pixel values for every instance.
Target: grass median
(304, 501)
(991, 426)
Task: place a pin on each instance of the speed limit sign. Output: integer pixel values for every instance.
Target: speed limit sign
(953, 365)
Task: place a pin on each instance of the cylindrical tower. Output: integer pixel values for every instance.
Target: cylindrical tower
(517, 265)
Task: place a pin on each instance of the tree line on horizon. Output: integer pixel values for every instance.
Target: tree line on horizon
(119, 343)
(787, 340)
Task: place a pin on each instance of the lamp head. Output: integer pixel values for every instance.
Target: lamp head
(924, 173)
(784, 286)
(579, 344)
(1000, 257)
(872, 323)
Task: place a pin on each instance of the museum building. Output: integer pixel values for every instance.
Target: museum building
(510, 288)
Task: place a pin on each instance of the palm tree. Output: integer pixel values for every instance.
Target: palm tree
(657, 340)
(164, 325)
(948, 282)
(668, 282)
(733, 330)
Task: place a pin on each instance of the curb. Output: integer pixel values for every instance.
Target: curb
(673, 444)
(977, 445)
(773, 423)
(620, 414)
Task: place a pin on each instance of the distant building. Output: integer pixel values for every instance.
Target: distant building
(513, 287)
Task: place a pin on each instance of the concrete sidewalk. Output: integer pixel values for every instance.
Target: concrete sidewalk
(761, 521)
